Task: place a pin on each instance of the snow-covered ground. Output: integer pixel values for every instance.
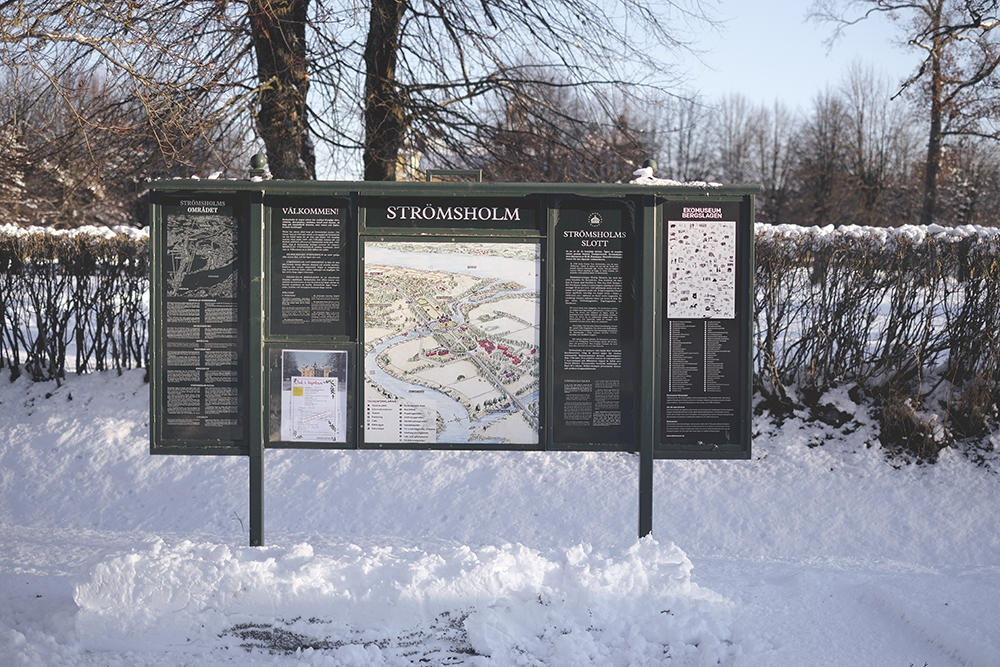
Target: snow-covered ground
(815, 552)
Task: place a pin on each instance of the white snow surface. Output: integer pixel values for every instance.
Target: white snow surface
(817, 551)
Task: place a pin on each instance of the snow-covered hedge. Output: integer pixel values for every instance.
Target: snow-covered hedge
(906, 317)
(73, 298)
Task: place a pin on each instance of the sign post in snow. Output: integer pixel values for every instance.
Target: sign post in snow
(481, 316)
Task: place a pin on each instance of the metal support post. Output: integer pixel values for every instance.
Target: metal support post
(256, 500)
(257, 370)
(651, 310)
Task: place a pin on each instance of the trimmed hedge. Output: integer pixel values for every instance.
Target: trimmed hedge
(72, 290)
(908, 319)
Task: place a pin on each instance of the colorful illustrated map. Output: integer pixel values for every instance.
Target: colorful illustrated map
(452, 342)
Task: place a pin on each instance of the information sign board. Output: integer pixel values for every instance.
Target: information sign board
(705, 355)
(452, 342)
(594, 369)
(201, 372)
(486, 316)
(311, 239)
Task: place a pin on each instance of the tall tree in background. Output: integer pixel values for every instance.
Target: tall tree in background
(438, 70)
(823, 145)
(366, 80)
(532, 140)
(551, 133)
(686, 140)
(79, 153)
(774, 149)
(738, 122)
(972, 190)
(161, 65)
(278, 34)
(957, 78)
(98, 96)
(102, 95)
(384, 106)
(880, 144)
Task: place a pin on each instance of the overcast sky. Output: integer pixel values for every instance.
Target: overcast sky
(768, 51)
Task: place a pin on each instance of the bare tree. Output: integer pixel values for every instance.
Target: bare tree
(738, 121)
(971, 187)
(531, 140)
(363, 79)
(78, 152)
(165, 61)
(821, 162)
(880, 143)
(434, 67)
(775, 150)
(548, 133)
(957, 78)
(278, 35)
(685, 140)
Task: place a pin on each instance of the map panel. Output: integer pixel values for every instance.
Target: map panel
(203, 320)
(452, 335)
(701, 282)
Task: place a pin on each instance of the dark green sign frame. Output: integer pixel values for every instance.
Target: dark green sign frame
(484, 316)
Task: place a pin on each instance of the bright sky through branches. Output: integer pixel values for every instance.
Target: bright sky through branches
(769, 51)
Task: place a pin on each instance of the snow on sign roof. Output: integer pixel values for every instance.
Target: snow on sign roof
(644, 176)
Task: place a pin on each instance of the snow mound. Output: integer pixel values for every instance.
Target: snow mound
(574, 606)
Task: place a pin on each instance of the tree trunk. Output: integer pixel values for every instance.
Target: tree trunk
(933, 168)
(278, 30)
(385, 125)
